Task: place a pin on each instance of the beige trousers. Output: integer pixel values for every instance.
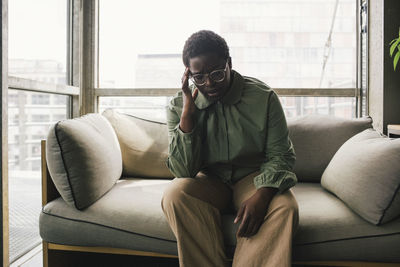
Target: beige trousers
(193, 208)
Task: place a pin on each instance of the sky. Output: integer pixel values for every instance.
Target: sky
(26, 41)
(151, 26)
(37, 30)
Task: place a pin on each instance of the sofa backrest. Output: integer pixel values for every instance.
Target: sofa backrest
(316, 138)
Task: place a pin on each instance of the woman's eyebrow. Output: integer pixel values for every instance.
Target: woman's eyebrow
(200, 72)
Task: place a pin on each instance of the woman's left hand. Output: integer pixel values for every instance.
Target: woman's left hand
(253, 210)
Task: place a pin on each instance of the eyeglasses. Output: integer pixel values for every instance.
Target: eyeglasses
(216, 76)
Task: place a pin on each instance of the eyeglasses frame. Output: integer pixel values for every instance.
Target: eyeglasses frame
(208, 76)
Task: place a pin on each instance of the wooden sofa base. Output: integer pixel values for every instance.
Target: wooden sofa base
(55, 255)
(63, 255)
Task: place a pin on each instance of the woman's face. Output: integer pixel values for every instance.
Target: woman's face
(205, 64)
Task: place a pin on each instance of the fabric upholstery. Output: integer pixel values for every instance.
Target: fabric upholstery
(133, 205)
(330, 231)
(381, 248)
(81, 233)
(84, 159)
(130, 216)
(316, 138)
(365, 174)
(144, 145)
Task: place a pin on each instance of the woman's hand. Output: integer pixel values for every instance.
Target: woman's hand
(189, 107)
(253, 210)
(188, 98)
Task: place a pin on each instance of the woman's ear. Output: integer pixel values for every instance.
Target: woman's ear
(230, 62)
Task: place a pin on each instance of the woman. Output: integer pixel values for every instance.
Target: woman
(229, 147)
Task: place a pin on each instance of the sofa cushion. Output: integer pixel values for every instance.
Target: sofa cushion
(316, 138)
(130, 216)
(365, 174)
(84, 159)
(330, 231)
(132, 206)
(144, 145)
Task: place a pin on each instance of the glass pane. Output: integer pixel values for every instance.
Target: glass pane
(153, 108)
(30, 116)
(150, 108)
(37, 40)
(287, 43)
(344, 107)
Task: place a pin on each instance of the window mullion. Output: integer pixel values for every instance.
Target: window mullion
(88, 20)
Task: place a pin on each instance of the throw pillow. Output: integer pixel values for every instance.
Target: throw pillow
(365, 174)
(144, 145)
(84, 159)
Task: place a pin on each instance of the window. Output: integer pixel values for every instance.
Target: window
(151, 108)
(287, 44)
(334, 106)
(30, 125)
(43, 27)
(58, 117)
(59, 100)
(40, 99)
(148, 56)
(37, 53)
(40, 118)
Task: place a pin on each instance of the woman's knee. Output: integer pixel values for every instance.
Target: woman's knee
(206, 190)
(174, 192)
(286, 203)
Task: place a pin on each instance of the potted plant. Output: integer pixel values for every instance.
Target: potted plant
(395, 46)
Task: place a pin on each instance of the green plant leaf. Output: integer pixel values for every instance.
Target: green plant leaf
(394, 40)
(393, 46)
(396, 60)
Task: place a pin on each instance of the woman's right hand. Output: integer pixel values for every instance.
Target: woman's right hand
(188, 97)
(186, 124)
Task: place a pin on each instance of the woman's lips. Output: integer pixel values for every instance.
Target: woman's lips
(213, 93)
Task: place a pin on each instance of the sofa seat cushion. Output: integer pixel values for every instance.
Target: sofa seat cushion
(130, 216)
(324, 218)
(329, 230)
(133, 205)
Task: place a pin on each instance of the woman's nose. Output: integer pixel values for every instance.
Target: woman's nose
(209, 82)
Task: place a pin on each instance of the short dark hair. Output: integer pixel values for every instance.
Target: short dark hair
(204, 42)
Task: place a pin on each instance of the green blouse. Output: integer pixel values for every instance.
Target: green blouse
(243, 132)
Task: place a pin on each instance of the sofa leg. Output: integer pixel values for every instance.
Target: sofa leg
(45, 248)
(55, 258)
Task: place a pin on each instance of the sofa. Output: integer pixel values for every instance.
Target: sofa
(103, 177)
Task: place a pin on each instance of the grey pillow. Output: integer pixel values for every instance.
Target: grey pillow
(316, 138)
(84, 159)
(144, 145)
(365, 174)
